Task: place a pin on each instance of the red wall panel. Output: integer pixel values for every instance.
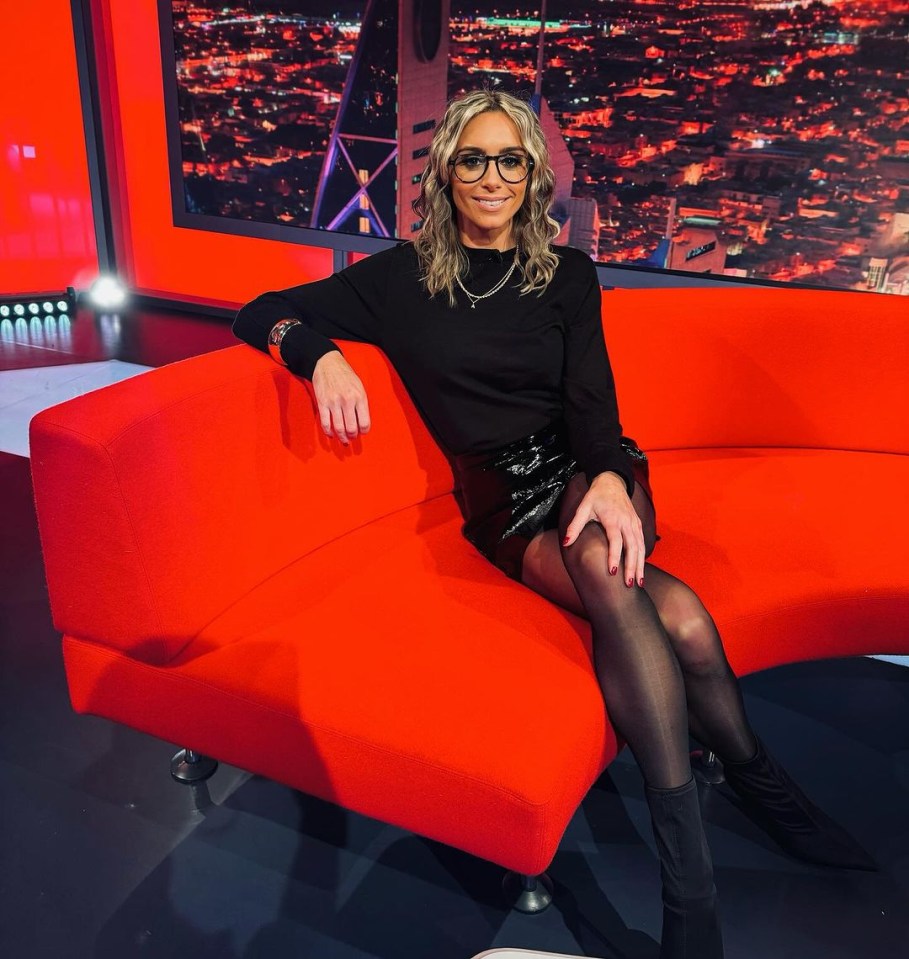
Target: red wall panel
(157, 256)
(47, 239)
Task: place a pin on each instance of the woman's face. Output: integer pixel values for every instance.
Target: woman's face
(486, 207)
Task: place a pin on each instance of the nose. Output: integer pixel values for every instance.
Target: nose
(492, 179)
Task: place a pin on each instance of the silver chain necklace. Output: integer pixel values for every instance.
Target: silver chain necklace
(475, 298)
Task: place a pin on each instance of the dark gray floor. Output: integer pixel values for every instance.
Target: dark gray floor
(104, 856)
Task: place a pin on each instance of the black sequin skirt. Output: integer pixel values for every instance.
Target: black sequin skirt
(508, 495)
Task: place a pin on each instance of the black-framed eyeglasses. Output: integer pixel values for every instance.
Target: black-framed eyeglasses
(471, 167)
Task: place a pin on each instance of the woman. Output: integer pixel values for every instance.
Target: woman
(497, 336)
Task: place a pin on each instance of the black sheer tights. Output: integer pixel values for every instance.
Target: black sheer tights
(716, 713)
(658, 658)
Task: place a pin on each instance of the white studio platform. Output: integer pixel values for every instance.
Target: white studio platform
(23, 393)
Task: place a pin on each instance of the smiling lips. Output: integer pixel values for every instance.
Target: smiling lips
(491, 204)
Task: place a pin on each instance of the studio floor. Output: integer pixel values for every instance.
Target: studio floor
(103, 856)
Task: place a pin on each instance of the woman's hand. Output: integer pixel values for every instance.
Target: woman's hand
(340, 397)
(607, 503)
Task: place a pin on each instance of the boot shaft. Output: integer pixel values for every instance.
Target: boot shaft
(691, 924)
(685, 863)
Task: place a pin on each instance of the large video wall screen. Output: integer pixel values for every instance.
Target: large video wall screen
(759, 139)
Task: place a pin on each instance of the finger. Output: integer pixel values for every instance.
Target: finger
(363, 416)
(349, 410)
(580, 519)
(632, 555)
(614, 552)
(634, 552)
(642, 557)
(325, 418)
(337, 421)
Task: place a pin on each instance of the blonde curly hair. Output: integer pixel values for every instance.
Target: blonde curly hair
(438, 246)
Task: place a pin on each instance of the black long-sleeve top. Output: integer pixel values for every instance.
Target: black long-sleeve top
(481, 377)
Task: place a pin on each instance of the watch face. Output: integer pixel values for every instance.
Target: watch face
(427, 28)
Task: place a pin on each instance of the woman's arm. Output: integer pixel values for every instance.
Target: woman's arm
(592, 417)
(349, 305)
(588, 387)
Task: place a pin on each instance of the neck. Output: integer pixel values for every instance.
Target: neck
(487, 240)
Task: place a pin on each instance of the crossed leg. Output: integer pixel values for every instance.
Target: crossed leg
(657, 653)
(640, 672)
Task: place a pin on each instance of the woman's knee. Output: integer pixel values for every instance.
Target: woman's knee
(587, 558)
(587, 562)
(694, 638)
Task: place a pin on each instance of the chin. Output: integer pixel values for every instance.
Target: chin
(484, 226)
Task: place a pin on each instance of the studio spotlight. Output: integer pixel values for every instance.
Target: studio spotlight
(107, 293)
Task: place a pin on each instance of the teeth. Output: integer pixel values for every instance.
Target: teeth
(492, 204)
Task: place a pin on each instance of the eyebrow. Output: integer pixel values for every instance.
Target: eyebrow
(468, 149)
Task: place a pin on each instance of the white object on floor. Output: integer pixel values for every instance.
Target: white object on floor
(523, 954)
(899, 660)
(23, 393)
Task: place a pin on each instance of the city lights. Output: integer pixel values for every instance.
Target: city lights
(783, 122)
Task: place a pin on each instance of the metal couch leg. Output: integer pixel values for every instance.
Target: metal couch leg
(706, 768)
(191, 767)
(527, 893)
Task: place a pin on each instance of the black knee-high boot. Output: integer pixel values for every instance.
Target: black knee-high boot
(691, 925)
(776, 803)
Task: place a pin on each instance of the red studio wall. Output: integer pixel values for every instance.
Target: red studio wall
(47, 238)
(156, 256)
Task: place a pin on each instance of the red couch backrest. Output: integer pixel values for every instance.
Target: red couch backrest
(761, 367)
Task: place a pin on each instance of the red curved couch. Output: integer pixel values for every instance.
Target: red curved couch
(228, 579)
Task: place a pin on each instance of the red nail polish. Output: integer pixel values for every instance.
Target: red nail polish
(565, 541)
(613, 571)
(641, 582)
(630, 582)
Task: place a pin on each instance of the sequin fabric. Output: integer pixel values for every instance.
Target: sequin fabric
(508, 495)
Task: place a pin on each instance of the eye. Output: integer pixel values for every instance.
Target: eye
(512, 161)
(470, 162)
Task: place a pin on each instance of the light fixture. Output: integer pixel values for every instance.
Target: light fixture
(50, 303)
(107, 293)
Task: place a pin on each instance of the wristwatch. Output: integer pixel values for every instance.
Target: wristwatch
(275, 336)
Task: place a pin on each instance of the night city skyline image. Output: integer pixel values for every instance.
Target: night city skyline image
(758, 139)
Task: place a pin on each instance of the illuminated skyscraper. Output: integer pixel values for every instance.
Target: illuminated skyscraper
(376, 153)
(423, 92)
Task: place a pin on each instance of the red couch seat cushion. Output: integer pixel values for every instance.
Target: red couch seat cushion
(798, 554)
(399, 671)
